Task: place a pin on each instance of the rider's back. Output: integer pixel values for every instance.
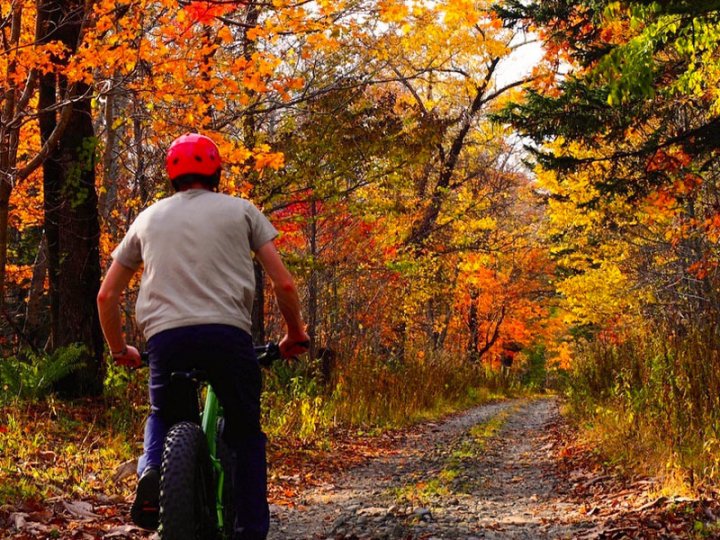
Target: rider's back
(196, 247)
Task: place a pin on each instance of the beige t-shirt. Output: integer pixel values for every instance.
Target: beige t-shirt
(196, 246)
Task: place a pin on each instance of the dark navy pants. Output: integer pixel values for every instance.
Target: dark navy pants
(226, 354)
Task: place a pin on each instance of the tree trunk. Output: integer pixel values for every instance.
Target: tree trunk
(107, 199)
(8, 134)
(474, 327)
(258, 308)
(249, 128)
(36, 323)
(493, 332)
(71, 216)
(73, 232)
(5, 191)
(313, 281)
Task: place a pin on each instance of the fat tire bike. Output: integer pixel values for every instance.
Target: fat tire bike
(196, 494)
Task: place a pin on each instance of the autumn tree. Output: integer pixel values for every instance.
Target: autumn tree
(625, 139)
(39, 41)
(361, 128)
(639, 116)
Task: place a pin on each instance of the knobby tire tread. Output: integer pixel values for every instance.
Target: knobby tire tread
(187, 506)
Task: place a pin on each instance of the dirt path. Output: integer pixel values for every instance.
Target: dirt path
(453, 479)
(510, 470)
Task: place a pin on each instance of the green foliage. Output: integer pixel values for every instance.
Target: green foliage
(637, 65)
(75, 189)
(117, 379)
(126, 391)
(31, 376)
(535, 374)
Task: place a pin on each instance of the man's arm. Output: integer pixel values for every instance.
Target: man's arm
(287, 299)
(108, 301)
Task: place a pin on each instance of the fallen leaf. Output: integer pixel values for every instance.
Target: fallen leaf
(47, 455)
(80, 509)
(121, 531)
(125, 470)
(18, 519)
(652, 504)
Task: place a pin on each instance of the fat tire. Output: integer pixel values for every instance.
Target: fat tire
(187, 500)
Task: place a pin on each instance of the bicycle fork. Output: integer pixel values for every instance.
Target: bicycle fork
(211, 413)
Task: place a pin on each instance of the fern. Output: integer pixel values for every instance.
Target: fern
(31, 376)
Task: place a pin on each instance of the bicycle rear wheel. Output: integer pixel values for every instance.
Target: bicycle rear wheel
(187, 499)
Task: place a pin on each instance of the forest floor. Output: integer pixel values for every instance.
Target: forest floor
(510, 469)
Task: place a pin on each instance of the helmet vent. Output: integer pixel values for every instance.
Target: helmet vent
(198, 158)
(175, 161)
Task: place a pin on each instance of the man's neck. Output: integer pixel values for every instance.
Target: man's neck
(195, 185)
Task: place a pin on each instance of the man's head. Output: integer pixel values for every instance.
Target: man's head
(193, 159)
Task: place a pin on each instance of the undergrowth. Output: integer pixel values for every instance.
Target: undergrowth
(372, 393)
(55, 448)
(31, 375)
(651, 405)
(50, 448)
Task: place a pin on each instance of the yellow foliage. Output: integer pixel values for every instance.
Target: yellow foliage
(597, 295)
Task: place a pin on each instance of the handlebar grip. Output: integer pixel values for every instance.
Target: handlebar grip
(267, 354)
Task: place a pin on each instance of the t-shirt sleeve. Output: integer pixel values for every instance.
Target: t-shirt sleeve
(129, 251)
(261, 231)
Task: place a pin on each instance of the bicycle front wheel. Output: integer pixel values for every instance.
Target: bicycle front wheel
(187, 499)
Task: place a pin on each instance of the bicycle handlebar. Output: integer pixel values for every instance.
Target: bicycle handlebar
(267, 354)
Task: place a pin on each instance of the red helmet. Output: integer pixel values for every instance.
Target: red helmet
(192, 153)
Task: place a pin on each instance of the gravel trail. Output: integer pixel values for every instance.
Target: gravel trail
(451, 479)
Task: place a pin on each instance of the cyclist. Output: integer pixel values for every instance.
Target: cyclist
(194, 307)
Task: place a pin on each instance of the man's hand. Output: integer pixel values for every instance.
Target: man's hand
(292, 346)
(129, 358)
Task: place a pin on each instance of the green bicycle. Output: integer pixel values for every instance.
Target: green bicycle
(196, 498)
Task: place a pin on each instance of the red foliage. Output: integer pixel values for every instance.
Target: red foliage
(205, 12)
